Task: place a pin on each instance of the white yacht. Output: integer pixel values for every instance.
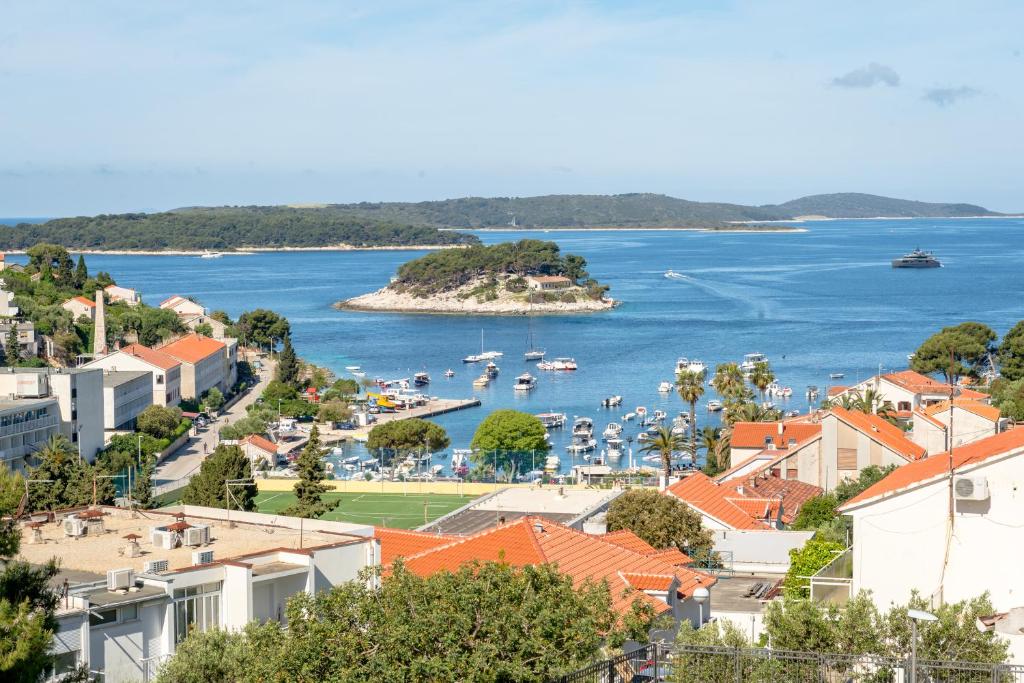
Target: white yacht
(552, 464)
(525, 382)
(472, 359)
(614, 448)
(690, 365)
(552, 420)
(659, 416)
(665, 387)
(582, 444)
(612, 430)
(533, 354)
(211, 254)
(750, 360)
(582, 426)
(558, 364)
(611, 401)
(714, 406)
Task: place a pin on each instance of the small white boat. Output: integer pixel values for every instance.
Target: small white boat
(614, 448)
(611, 401)
(659, 415)
(211, 254)
(690, 365)
(481, 381)
(714, 406)
(812, 392)
(558, 364)
(582, 445)
(612, 430)
(421, 379)
(436, 469)
(582, 426)
(750, 360)
(472, 359)
(629, 417)
(353, 368)
(449, 373)
(525, 382)
(491, 355)
(641, 412)
(836, 375)
(552, 463)
(665, 388)
(492, 370)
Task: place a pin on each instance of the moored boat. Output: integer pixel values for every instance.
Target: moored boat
(552, 420)
(611, 401)
(449, 373)
(481, 381)
(525, 382)
(612, 430)
(917, 259)
(421, 379)
(714, 406)
(665, 387)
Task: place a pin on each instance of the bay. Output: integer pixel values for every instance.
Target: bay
(816, 302)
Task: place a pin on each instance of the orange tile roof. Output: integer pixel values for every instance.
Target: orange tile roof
(82, 300)
(836, 390)
(172, 300)
(755, 434)
(885, 433)
(792, 492)
(916, 382)
(395, 543)
(700, 492)
(630, 541)
(261, 442)
(937, 466)
(648, 582)
(151, 356)
(990, 413)
(193, 348)
(918, 413)
(534, 540)
(673, 556)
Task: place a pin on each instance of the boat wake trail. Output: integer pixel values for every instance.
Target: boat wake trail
(743, 296)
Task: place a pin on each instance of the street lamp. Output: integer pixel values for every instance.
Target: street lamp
(700, 596)
(916, 615)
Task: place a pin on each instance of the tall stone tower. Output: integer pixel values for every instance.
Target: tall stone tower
(99, 341)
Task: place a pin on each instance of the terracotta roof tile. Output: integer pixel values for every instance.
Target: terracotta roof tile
(193, 348)
(82, 300)
(885, 433)
(648, 582)
(534, 540)
(261, 442)
(918, 413)
(700, 492)
(628, 540)
(916, 382)
(395, 543)
(756, 434)
(922, 471)
(976, 395)
(990, 413)
(792, 492)
(836, 390)
(151, 356)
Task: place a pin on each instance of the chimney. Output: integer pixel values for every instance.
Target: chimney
(99, 342)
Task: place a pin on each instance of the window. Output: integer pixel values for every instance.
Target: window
(903, 405)
(159, 379)
(196, 608)
(63, 663)
(847, 458)
(98, 618)
(129, 613)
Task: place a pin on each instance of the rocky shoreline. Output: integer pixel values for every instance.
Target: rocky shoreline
(450, 303)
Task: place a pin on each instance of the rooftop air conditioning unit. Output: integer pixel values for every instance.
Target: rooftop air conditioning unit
(202, 557)
(164, 539)
(197, 535)
(970, 488)
(120, 579)
(74, 527)
(155, 566)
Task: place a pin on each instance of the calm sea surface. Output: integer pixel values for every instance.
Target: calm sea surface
(815, 302)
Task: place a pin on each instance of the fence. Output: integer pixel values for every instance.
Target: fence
(713, 664)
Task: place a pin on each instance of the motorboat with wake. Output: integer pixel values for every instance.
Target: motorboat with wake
(558, 364)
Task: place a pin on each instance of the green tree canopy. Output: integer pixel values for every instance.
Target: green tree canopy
(208, 487)
(263, 327)
(661, 520)
(309, 489)
(277, 390)
(508, 439)
(158, 421)
(1011, 353)
(287, 365)
(411, 435)
(1008, 396)
(64, 479)
(806, 561)
(487, 623)
(955, 351)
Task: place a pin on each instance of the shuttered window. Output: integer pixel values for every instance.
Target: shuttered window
(847, 458)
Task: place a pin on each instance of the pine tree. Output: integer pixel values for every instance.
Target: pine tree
(81, 272)
(142, 493)
(207, 488)
(309, 489)
(12, 350)
(288, 364)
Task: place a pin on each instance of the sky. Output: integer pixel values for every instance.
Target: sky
(143, 106)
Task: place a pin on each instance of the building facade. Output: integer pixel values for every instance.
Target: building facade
(25, 426)
(166, 370)
(126, 393)
(205, 363)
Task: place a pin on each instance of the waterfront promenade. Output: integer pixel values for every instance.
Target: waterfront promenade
(433, 408)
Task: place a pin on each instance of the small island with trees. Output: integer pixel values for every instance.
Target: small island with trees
(524, 277)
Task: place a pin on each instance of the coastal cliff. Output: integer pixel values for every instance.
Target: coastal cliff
(525, 277)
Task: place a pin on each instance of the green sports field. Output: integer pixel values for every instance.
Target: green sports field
(382, 509)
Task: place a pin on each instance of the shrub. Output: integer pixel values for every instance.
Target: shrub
(158, 421)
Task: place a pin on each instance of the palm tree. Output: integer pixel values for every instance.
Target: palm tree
(55, 449)
(709, 438)
(728, 380)
(873, 402)
(752, 412)
(664, 443)
(690, 386)
(761, 377)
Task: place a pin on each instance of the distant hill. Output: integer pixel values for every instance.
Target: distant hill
(641, 210)
(402, 224)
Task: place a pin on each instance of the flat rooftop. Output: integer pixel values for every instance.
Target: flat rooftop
(730, 593)
(26, 403)
(115, 378)
(554, 503)
(252, 534)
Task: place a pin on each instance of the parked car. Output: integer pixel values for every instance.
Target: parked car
(344, 425)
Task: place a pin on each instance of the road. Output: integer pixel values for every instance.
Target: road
(187, 459)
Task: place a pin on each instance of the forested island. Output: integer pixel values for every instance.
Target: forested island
(398, 225)
(227, 228)
(528, 276)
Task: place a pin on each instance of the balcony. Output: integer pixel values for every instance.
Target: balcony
(834, 582)
(29, 425)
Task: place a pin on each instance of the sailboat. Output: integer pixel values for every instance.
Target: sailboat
(532, 352)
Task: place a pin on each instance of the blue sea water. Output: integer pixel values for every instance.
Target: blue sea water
(816, 302)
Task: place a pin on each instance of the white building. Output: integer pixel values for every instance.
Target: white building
(126, 393)
(205, 363)
(904, 541)
(25, 425)
(126, 295)
(132, 600)
(971, 420)
(908, 390)
(80, 307)
(182, 306)
(195, 322)
(548, 283)
(79, 395)
(165, 369)
(7, 307)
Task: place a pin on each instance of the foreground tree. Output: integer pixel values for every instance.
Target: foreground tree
(505, 437)
(661, 520)
(158, 421)
(497, 623)
(208, 486)
(310, 488)
(1011, 353)
(262, 327)
(402, 437)
(761, 377)
(64, 480)
(287, 365)
(955, 351)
